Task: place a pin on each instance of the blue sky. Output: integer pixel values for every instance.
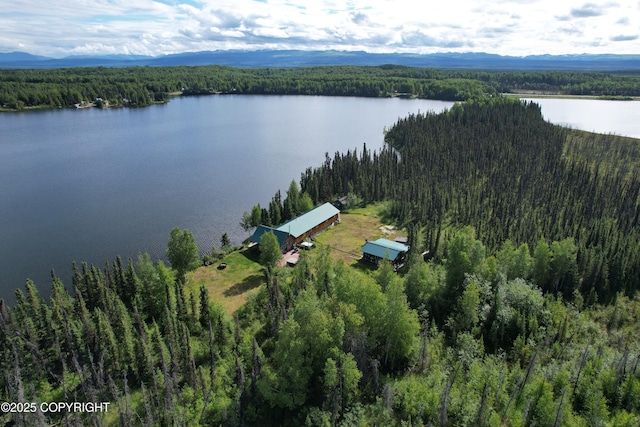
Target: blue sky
(146, 27)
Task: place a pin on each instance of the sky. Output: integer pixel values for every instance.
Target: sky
(58, 28)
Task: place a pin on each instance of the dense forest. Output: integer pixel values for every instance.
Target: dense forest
(325, 344)
(524, 313)
(142, 86)
(498, 166)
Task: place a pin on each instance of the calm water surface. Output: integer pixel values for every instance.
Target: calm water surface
(90, 184)
(616, 117)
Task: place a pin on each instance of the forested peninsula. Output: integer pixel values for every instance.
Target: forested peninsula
(518, 304)
(143, 86)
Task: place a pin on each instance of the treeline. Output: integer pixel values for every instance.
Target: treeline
(280, 210)
(562, 83)
(142, 86)
(471, 341)
(498, 166)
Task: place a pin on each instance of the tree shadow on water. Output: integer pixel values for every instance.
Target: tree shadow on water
(246, 285)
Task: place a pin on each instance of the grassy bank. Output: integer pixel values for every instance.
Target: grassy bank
(232, 285)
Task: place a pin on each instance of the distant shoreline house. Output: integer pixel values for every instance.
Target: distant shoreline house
(305, 226)
(377, 250)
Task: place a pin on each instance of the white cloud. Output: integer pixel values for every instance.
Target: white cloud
(624, 38)
(587, 10)
(514, 27)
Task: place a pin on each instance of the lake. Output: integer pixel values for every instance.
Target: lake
(90, 184)
(593, 115)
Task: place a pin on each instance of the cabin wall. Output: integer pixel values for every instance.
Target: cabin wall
(318, 228)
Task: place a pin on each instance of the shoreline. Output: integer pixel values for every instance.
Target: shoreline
(563, 96)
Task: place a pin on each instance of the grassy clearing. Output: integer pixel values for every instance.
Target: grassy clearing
(234, 284)
(369, 210)
(354, 229)
(243, 276)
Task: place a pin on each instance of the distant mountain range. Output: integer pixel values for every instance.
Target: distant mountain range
(299, 58)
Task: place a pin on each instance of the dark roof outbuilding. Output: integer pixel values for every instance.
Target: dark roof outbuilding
(261, 229)
(384, 248)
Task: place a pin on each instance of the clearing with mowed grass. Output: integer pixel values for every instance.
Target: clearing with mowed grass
(232, 285)
(346, 239)
(242, 277)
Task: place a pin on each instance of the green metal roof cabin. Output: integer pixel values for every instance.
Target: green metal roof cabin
(375, 251)
(311, 220)
(261, 229)
(305, 226)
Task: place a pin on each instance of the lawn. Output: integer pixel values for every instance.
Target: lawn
(243, 275)
(354, 229)
(233, 285)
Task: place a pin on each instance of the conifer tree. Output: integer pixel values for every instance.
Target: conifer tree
(205, 318)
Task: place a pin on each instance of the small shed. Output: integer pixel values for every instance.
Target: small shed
(375, 251)
(341, 203)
